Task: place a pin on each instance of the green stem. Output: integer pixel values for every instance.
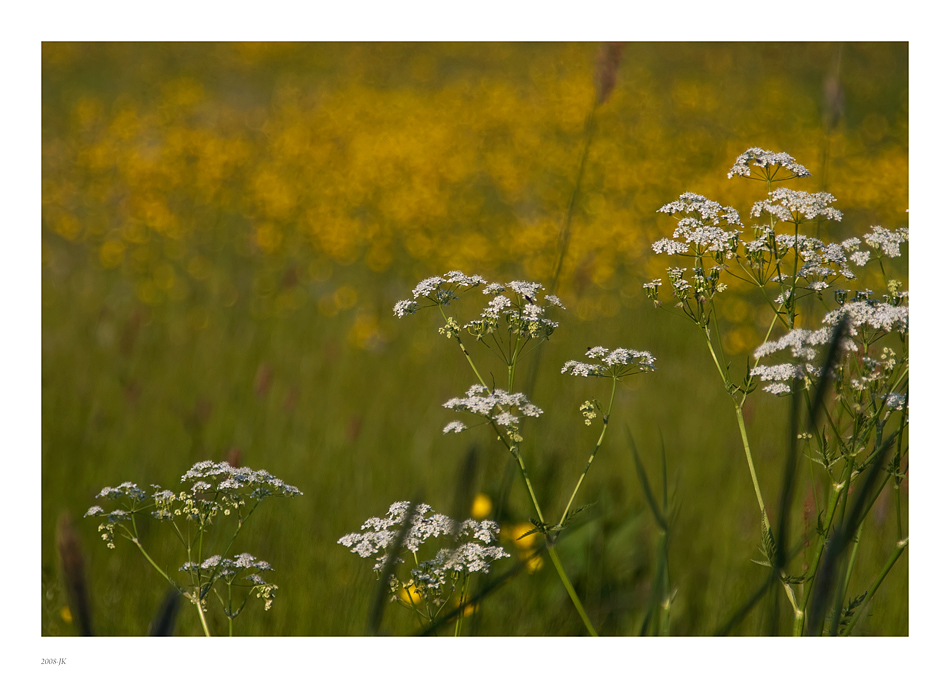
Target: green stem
(901, 547)
(201, 614)
(843, 593)
(712, 352)
(461, 613)
(590, 461)
(527, 483)
(570, 590)
(813, 567)
(740, 418)
(666, 601)
(153, 563)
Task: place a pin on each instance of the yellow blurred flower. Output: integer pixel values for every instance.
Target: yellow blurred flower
(527, 545)
(469, 608)
(410, 595)
(481, 506)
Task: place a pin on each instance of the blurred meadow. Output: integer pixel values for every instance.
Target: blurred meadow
(225, 231)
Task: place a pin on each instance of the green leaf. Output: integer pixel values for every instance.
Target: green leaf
(768, 542)
(538, 527)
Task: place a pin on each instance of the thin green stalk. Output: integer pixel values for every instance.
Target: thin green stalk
(590, 461)
(516, 453)
(153, 563)
(813, 567)
(843, 593)
(756, 363)
(467, 356)
(565, 236)
(740, 418)
(901, 547)
(570, 591)
(458, 617)
(900, 527)
(844, 492)
(712, 352)
(666, 602)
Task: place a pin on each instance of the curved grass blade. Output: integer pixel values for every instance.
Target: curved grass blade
(164, 623)
(375, 619)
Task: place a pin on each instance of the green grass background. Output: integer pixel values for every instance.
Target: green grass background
(285, 347)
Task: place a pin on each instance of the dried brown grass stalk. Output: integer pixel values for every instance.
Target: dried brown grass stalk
(74, 573)
(608, 63)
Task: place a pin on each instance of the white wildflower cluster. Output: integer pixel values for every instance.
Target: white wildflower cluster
(495, 405)
(820, 261)
(472, 548)
(856, 256)
(708, 211)
(869, 319)
(778, 376)
(871, 315)
(701, 286)
(216, 488)
(440, 290)
(681, 287)
(797, 206)
(221, 477)
(437, 578)
(767, 164)
(618, 363)
(887, 241)
(895, 401)
(217, 568)
(220, 566)
(699, 239)
(519, 305)
(874, 375)
(378, 534)
(801, 344)
(126, 490)
(110, 520)
(652, 289)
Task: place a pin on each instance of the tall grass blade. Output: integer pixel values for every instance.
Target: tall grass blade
(164, 622)
(747, 606)
(382, 588)
(658, 515)
(790, 475)
(827, 576)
